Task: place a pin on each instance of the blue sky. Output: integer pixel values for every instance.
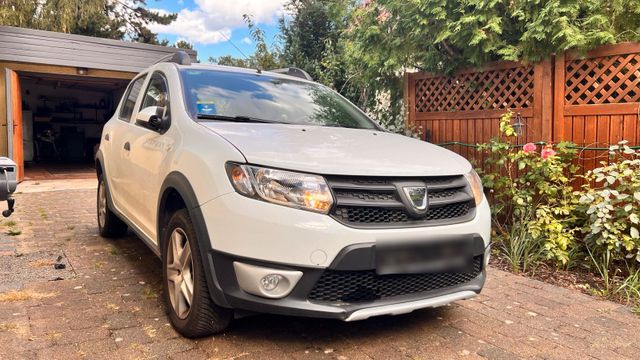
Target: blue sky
(208, 24)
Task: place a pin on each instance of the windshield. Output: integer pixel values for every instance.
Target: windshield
(261, 96)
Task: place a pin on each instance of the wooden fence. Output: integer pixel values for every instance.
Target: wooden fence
(591, 101)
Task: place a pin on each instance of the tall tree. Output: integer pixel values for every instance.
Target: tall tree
(264, 57)
(183, 44)
(312, 41)
(444, 35)
(114, 19)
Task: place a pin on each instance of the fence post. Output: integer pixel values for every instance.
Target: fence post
(558, 96)
(546, 99)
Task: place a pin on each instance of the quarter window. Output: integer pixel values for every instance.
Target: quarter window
(157, 94)
(130, 101)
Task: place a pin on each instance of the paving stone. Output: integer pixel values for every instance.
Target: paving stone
(104, 312)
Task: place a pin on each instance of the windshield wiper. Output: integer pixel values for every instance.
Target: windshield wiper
(237, 118)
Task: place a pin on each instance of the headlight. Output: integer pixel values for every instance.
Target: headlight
(476, 185)
(288, 188)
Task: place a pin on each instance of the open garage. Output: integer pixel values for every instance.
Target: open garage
(58, 91)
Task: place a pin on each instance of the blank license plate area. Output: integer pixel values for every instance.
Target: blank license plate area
(432, 257)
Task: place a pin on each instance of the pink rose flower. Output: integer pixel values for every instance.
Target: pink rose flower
(547, 152)
(383, 16)
(529, 148)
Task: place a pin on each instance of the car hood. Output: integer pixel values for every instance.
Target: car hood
(338, 151)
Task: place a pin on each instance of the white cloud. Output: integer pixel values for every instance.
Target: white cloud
(213, 20)
(246, 40)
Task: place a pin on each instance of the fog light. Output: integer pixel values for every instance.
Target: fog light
(266, 282)
(271, 281)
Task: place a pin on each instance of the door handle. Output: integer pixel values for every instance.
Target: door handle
(127, 146)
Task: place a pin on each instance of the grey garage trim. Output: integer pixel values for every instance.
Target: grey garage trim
(52, 48)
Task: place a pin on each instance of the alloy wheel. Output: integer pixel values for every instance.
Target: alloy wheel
(102, 205)
(180, 273)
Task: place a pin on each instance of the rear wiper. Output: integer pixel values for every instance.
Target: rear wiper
(238, 118)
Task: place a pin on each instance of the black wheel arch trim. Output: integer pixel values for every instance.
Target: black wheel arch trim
(177, 181)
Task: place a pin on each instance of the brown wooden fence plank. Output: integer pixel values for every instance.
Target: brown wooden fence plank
(590, 140)
(626, 108)
(615, 129)
(577, 134)
(558, 99)
(630, 129)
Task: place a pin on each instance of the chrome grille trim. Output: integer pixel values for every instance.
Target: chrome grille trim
(375, 202)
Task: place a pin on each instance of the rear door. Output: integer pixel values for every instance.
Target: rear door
(14, 121)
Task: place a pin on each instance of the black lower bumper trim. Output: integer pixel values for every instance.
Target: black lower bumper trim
(301, 302)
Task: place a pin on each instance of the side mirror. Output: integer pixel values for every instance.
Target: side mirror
(151, 117)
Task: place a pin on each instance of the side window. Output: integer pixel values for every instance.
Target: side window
(130, 99)
(157, 94)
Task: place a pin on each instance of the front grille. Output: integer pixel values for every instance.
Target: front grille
(372, 215)
(361, 286)
(376, 202)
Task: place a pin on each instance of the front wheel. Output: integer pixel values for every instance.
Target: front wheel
(191, 310)
(109, 225)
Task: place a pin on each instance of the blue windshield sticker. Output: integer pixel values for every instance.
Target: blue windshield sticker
(206, 107)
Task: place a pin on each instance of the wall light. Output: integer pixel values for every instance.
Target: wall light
(82, 71)
(519, 125)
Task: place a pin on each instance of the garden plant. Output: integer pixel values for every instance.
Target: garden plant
(546, 212)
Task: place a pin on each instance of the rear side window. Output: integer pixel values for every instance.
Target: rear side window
(130, 99)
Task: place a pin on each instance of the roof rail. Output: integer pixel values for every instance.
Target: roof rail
(178, 57)
(293, 71)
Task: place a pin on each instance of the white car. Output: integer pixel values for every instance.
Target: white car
(267, 192)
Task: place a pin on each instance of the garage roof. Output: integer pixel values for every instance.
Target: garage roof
(52, 48)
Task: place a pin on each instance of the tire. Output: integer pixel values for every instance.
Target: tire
(109, 225)
(199, 317)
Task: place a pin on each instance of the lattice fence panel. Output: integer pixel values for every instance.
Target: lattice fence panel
(510, 88)
(603, 80)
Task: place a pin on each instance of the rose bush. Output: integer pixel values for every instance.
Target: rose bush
(538, 215)
(531, 195)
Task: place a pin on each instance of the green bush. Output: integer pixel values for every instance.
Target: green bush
(610, 206)
(532, 198)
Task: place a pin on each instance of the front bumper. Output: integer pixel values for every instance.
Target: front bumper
(273, 233)
(300, 303)
(276, 237)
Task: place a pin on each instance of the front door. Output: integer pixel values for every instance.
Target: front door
(14, 121)
(149, 149)
(117, 150)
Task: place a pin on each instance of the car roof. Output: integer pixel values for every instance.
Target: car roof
(239, 70)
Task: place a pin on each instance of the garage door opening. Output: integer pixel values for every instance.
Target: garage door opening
(62, 119)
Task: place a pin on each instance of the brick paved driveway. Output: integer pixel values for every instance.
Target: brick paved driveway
(105, 304)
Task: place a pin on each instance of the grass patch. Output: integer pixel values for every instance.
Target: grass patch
(150, 331)
(14, 232)
(7, 326)
(23, 295)
(70, 227)
(9, 223)
(53, 335)
(99, 264)
(41, 263)
(43, 213)
(149, 293)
